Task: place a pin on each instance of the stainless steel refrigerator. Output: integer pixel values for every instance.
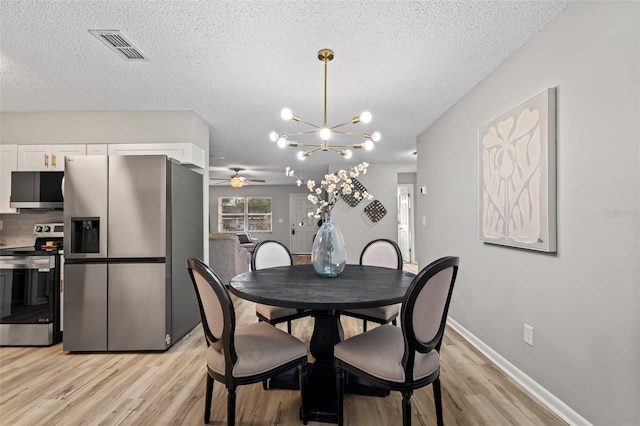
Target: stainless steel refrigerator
(130, 223)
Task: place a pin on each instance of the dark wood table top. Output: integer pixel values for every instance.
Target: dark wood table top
(299, 286)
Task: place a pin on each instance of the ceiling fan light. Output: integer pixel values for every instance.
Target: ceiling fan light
(365, 117)
(368, 145)
(273, 136)
(325, 133)
(286, 114)
(375, 136)
(282, 142)
(236, 182)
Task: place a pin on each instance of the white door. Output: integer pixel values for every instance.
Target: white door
(405, 222)
(34, 157)
(302, 227)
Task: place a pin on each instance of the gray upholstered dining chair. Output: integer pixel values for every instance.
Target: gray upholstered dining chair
(385, 253)
(240, 356)
(407, 357)
(269, 254)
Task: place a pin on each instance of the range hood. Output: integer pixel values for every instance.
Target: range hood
(36, 190)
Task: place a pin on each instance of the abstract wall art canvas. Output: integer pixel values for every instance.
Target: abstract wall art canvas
(517, 176)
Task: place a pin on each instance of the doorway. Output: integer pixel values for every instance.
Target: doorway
(302, 227)
(406, 223)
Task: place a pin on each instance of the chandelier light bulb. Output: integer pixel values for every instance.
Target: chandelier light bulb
(273, 136)
(365, 117)
(282, 142)
(348, 154)
(325, 133)
(368, 145)
(286, 114)
(301, 155)
(375, 136)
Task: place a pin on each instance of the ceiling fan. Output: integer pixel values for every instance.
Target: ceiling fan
(236, 180)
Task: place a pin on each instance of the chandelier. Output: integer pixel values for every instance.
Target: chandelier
(325, 131)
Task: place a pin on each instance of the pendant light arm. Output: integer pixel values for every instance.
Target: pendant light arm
(306, 132)
(362, 135)
(341, 124)
(309, 124)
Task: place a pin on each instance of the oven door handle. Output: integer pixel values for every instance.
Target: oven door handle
(41, 263)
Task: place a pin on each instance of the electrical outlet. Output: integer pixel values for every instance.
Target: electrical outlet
(528, 334)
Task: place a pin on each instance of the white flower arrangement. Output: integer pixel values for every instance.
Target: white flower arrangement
(333, 185)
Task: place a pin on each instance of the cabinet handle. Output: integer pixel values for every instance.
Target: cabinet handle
(46, 160)
(53, 160)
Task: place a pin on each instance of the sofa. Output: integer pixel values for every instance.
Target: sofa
(247, 241)
(227, 257)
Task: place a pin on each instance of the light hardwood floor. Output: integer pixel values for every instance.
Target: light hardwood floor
(41, 386)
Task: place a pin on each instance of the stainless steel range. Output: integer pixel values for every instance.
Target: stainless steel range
(30, 289)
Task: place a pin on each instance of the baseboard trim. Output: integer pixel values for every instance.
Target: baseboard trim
(545, 397)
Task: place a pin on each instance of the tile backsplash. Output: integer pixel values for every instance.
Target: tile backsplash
(17, 229)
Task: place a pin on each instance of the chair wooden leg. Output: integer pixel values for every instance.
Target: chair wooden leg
(207, 398)
(406, 408)
(340, 391)
(304, 382)
(364, 325)
(231, 406)
(289, 326)
(437, 397)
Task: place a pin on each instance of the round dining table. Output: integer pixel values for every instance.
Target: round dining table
(300, 287)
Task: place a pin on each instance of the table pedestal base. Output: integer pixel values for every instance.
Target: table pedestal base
(321, 395)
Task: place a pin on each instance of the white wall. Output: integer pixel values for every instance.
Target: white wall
(583, 301)
(102, 127)
(381, 180)
(93, 127)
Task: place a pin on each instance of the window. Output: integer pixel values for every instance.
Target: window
(244, 214)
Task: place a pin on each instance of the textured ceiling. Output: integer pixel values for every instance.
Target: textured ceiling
(238, 63)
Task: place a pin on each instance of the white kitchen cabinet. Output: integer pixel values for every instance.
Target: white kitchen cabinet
(186, 153)
(8, 164)
(58, 152)
(47, 157)
(34, 157)
(97, 149)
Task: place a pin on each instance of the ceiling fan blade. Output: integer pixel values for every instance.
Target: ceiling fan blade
(218, 178)
(254, 180)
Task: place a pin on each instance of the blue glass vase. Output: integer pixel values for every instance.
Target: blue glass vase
(328, 254)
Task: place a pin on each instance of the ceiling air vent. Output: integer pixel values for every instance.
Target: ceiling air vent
(119, 43)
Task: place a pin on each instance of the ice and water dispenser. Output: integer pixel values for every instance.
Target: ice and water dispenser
(85, 235)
